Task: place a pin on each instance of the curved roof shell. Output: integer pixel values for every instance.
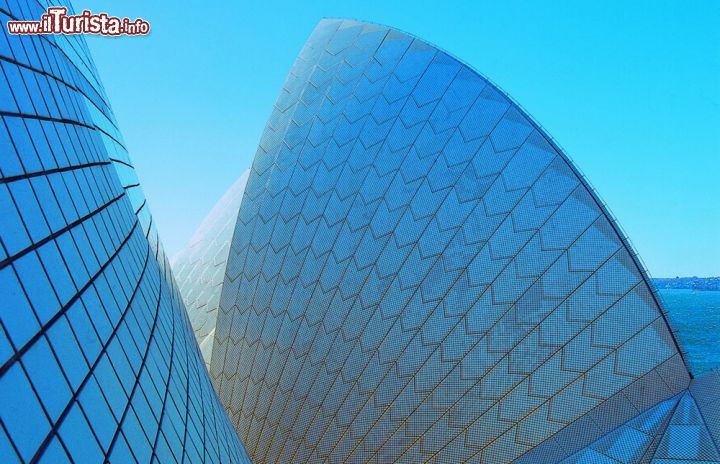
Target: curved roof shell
(199, 268)
(419, 273)
(98, 362)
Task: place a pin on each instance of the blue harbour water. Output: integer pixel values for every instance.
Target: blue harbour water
(695, 315)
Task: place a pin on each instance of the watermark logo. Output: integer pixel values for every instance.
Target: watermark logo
(57, 21)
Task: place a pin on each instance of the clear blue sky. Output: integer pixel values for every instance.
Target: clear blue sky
(630, 89)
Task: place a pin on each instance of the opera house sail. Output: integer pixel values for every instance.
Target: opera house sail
(200, 267)
(419, 274)
(98, 362)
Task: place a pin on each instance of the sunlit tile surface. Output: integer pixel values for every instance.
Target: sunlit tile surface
(97, 358)
(416, 273)
(200, 267)
(419, 274)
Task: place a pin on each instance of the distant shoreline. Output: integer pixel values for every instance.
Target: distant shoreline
(689, 283)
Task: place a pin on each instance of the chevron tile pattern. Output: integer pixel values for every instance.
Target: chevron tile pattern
(98, 362)
(418, 274)
(200, 267)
